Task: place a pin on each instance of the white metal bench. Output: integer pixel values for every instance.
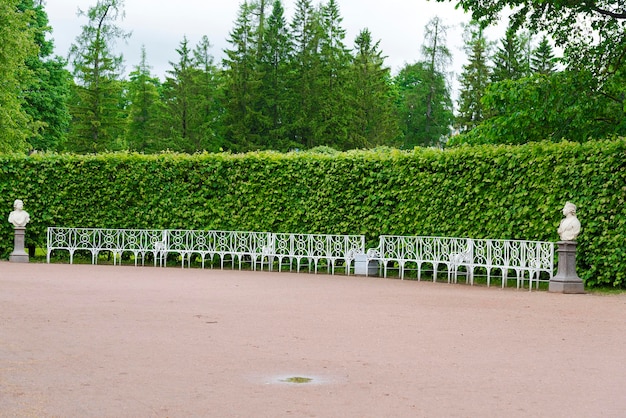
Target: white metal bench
(241, 245)
(139, 242)
(529, 258)
(420, 251)
(314, 248)
(522, 257)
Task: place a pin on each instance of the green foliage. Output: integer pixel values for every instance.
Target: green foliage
(592, 33)
(543, 60)
(47, 91)
(505, 192)
(144, 102)
(374, 119)
(474, 78)
(510, 62)
(567, 104)
(97, 104)
(16, 47)
(424, 106)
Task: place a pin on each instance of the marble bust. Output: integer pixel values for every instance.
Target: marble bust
(19, 217)
(570, 226)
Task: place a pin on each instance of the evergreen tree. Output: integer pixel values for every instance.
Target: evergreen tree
(438, 58)
(274, 67)
(47, 92)
(205, 130)
(305, 74)
(373, 118)
(474, 78)
(509, 61)
(241, 84)
(543, 60)
(176, 114)
(333, 114)
(143, 96)
(98, 121)
(17, 45)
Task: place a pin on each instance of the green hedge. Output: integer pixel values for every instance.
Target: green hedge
(505, 192)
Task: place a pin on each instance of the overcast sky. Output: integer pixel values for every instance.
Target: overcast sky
(161, 24)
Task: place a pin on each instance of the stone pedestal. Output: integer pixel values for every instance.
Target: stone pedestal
(19, 255)
(566, 279)
(362, 267)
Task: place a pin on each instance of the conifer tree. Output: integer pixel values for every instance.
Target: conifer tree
(372, 110)
(206, 130)
(509, 62)
(305, 75)
(274, 89)
(98, 120)
(474, 78)
(175, 118)
(543, 60)
(437, 57)
(334, 113)
(241, 85)
(143, 96)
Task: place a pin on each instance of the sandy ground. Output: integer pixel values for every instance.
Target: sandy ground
(111, 341)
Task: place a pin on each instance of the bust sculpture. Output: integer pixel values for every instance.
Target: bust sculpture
(570, 226)
(19, 217)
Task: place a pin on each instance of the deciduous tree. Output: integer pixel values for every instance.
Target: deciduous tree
(17, 45)
(47, 91)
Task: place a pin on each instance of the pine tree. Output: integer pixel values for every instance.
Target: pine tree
(509, 62)
(333, 115)
(206, 129)
(474, 79)
(176, 114)
(543, 60)
(305, 74)
(372, 115)
(98, 121)
(274, 67)
(241, 85)
(438, 58)
(144, 101)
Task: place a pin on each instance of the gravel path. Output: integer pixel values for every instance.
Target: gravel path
(117, 341)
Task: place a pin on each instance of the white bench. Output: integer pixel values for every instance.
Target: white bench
(139, 242)
(522, 257)
(418, 250)
(314, 248)
(241, 245)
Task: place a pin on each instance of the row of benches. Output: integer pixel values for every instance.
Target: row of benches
(255, 248)
(526, 259)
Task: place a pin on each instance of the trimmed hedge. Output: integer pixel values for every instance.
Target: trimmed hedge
(504, 192)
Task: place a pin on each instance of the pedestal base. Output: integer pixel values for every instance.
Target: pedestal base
(558, 286)
(566, 279)
(18, 258)
(19, 255)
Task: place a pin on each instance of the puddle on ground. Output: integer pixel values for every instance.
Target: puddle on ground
(299, 380)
